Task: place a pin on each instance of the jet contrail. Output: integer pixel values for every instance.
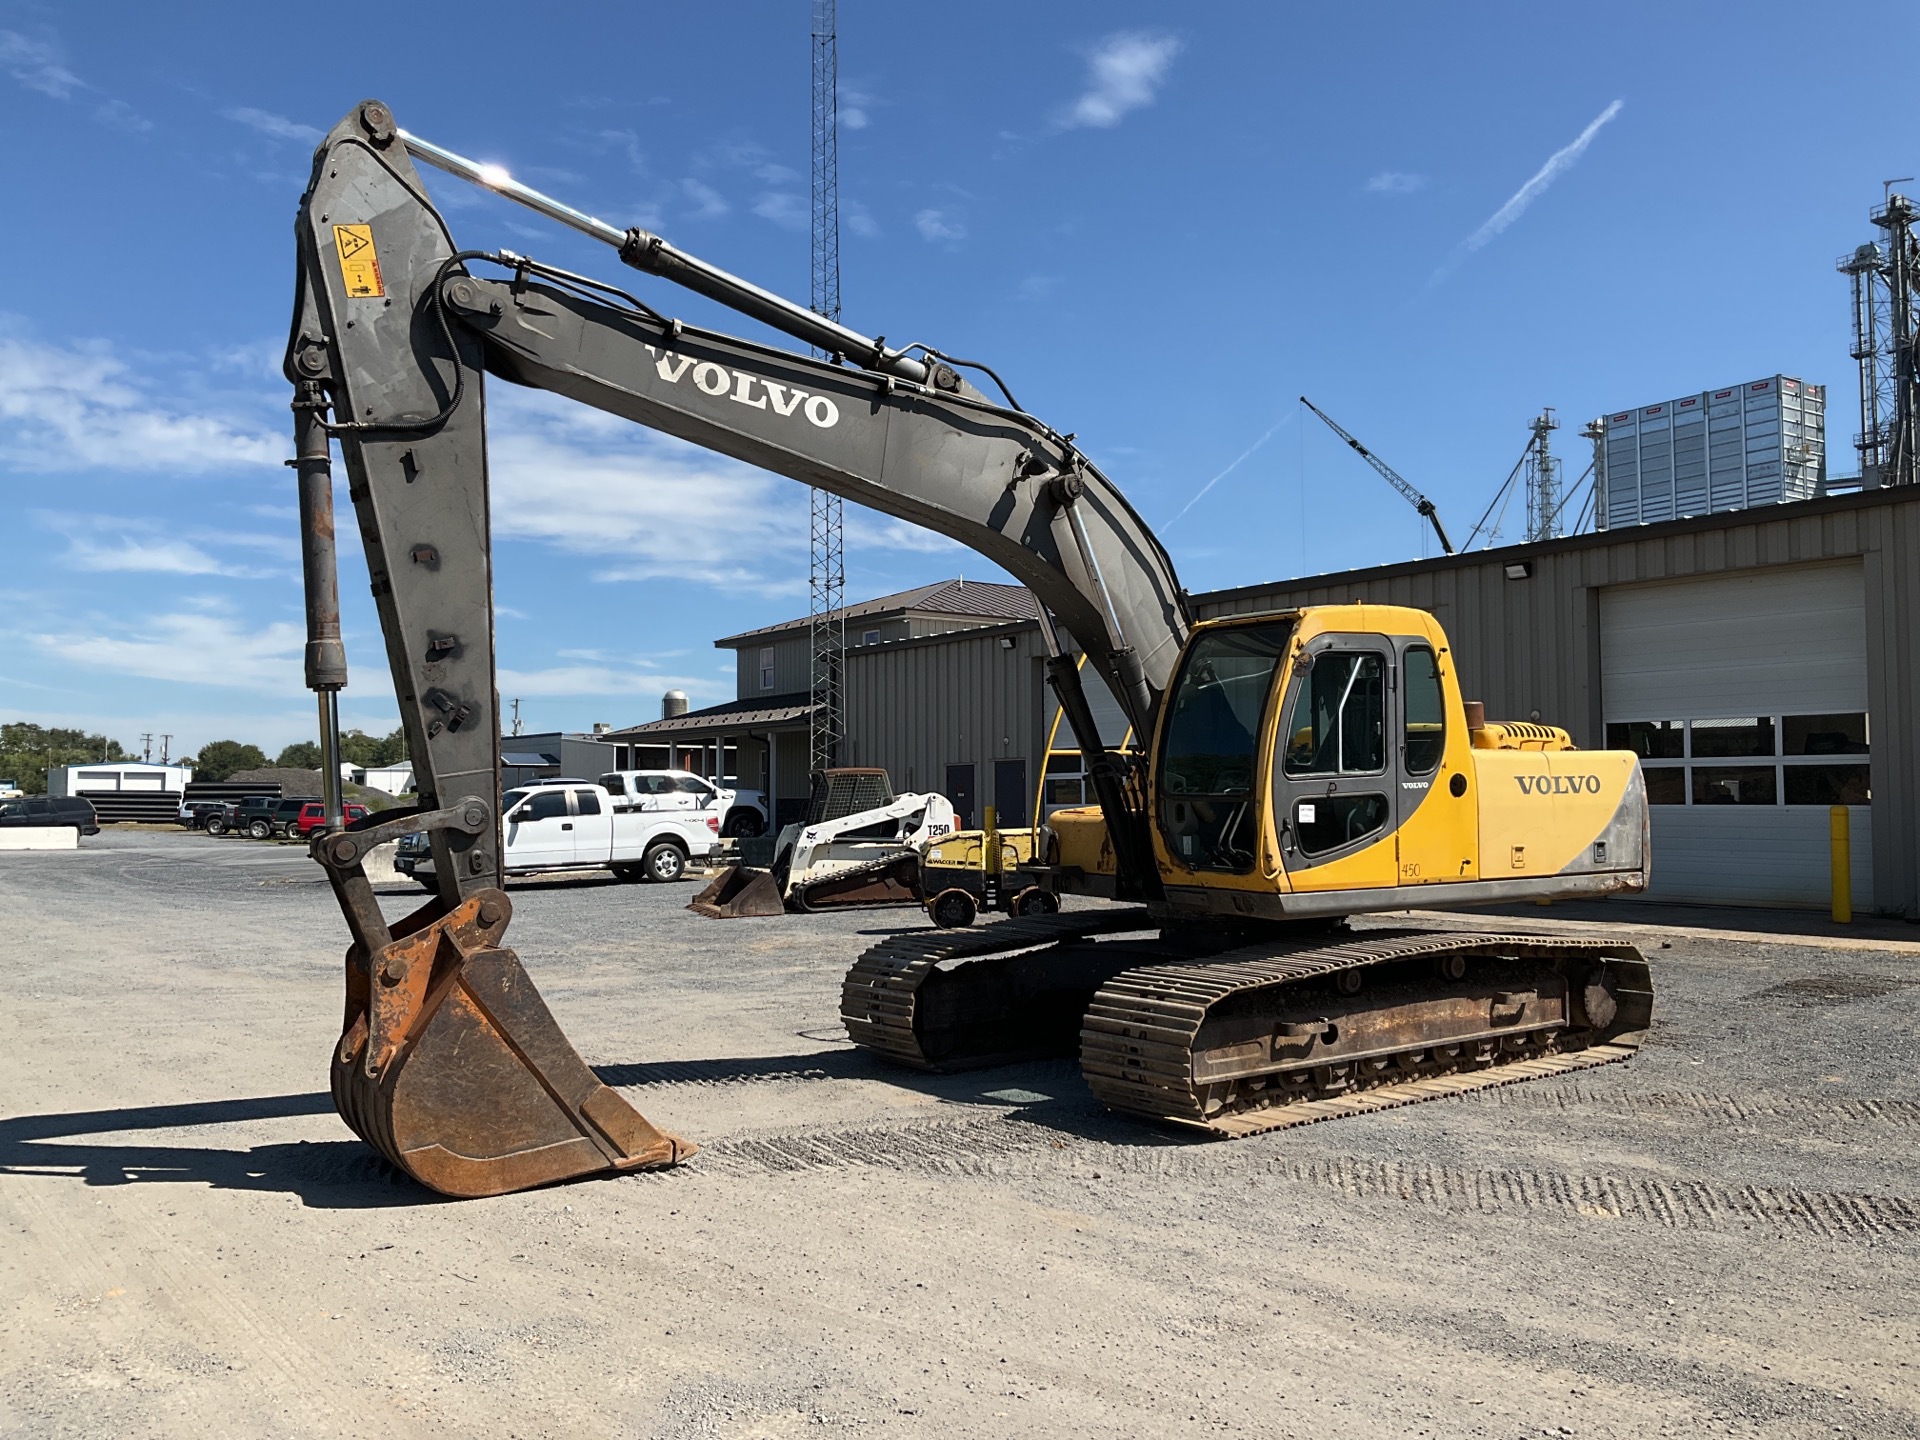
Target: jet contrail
(1201, 493)
(1557, 164)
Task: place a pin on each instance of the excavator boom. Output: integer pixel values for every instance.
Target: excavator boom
(395, 331)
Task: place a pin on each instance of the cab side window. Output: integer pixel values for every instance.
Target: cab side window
(1426, 714)
(1339, 722)
(1337, 728)
(586, 802)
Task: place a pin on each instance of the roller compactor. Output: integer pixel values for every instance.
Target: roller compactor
(1304, 767)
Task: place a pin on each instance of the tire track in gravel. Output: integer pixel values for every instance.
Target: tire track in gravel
(1819, 1109)
(1005, 1146)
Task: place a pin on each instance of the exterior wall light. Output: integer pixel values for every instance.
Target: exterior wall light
(1520, 570)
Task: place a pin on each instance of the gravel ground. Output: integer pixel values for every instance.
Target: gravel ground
(1719, 1237)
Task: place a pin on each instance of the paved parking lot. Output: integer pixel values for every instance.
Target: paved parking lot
(1719, 1237)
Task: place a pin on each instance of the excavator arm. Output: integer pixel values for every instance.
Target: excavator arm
(450, 1063)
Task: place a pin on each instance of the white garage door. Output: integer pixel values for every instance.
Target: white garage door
(1746, 696)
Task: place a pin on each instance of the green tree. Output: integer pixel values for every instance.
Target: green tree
(27, 751)
(221, 758)
(359, 748)
(301, 755)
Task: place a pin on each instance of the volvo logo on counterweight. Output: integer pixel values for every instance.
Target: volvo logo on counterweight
(738, 386)
(1558, 784)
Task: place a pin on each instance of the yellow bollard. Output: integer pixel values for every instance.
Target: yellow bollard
(1842, 847)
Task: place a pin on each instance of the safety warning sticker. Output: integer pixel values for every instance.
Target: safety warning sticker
(359, 261)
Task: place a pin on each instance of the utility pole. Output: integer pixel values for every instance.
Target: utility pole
(827, 560)
(516, 717)
(146, 747)
(1543, 480)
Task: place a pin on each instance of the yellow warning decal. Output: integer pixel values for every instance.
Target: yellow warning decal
(359, 261)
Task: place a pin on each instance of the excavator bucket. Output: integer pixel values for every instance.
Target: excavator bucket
(452, 1067)
(739, 892)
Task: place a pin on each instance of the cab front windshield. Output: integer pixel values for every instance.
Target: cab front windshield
(1208, 812)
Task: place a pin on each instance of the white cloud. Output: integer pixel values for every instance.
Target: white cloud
(77, 407)
(710, 202)
(1558, 163)
(643, 505)
(940, 226)
(593, 679)
(121, 116)
(1123, 72)
(206, 645)
(853, 107)
(108, 544)
(276, 127)
(38, 65)
(1396, 182)
(859, 219)
(783, 208)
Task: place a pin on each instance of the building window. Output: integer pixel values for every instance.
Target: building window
(1751, 759)
(870, 637)
(766, 667)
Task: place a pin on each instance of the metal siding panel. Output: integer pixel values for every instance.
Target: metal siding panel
(1739, 854)
(1779, 640)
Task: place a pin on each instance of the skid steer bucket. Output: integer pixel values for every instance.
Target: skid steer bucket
(739, 892)
(452, 1067)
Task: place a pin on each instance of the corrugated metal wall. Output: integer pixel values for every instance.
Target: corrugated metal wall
(918, 706)
(1533, 644)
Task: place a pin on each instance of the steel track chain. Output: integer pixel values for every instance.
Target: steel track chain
(877, 997)
(1138, 1036)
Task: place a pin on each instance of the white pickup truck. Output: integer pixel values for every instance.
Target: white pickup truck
(575, 825)
(741, 812)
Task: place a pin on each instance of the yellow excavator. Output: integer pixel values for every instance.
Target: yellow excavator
(1302, 768)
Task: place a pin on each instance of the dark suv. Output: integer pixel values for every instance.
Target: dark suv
(50, 810)
(260, 817)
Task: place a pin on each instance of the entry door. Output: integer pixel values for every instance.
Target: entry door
(540, 831)
(960, 794)
(1012, 801)
(1335, 771)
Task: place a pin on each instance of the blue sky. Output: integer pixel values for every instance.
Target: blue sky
(1160, 223)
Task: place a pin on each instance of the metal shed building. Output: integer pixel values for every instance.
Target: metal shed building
(1765, 662)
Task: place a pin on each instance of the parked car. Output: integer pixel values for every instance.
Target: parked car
(573, 825)
(50, 810)
(259, 817)
(313, 814)
(740, 812)
(194, 813)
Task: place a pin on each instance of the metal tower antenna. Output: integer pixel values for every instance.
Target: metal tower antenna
(1543, 480)
(827, 569)
(1886, 325)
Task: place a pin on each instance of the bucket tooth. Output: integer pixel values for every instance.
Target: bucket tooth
(454, 1069)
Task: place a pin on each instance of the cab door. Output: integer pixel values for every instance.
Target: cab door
(1437, 836)
(1335, 771)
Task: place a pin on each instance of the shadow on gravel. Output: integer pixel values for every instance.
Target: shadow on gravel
(327, 1174)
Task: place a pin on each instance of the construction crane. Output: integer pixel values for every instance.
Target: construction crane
(1394, 478)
